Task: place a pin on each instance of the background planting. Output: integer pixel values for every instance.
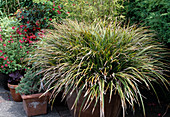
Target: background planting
(152, 13)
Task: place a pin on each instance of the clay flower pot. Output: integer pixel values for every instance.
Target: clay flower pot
(112, 109)
(15, 96)
(34, 105)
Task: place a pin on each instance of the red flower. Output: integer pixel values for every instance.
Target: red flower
(25, 30)
(59, 12)
(4, 45)
(8, 62)
(34, 37)
(27, 52)
(44, 18)
(38, 28)
(68, 12)
(1, 56)
(22, 17)
(8, 41)
(0, 39)
(21, 41)
(53, 9)
(73, 4)
(12, 41)
(20, 46)
(6, 65)
(23, 37)
(0, 51)
(2, 66)
(50, 19)
(22, 26)
(28, 22)
(53, 5)
(13, 27)
(30, 41)
(159, 114)
(5, 58)
(59, 7)
(37, 23)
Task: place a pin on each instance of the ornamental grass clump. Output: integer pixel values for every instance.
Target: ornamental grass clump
(99, 59)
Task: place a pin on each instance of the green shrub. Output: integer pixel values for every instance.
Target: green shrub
(89, 10)
(153, 13)
(30, 83)
(39, 16)
(99, 58)
(10, 6)
(12, 49)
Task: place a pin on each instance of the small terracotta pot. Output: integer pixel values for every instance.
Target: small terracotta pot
(15, 96)
(111, 109)
(34, 104)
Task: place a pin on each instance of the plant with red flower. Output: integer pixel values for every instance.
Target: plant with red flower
(12, 46)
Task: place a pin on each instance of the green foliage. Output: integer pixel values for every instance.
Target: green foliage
(99, 59)
(89, 10)
(37, 1)
(12, 49)
(29, 84)
(39, 15)
(10, 6)
(153, 13)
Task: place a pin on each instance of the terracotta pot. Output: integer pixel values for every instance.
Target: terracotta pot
(15, 96)
(34, 105)
(111, 109)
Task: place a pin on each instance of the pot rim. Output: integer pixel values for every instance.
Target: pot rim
(11, 86)
(37, 95)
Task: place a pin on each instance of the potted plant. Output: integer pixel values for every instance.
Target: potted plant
(14, 79)
(33, 101)
(96, 64)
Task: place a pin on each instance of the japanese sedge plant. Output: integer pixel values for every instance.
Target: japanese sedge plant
(99, 59)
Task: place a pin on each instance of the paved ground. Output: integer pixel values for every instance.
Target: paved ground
(9, 108)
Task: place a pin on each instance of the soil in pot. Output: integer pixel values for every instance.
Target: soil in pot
(112, 109)
(34, 104)
(15, 96)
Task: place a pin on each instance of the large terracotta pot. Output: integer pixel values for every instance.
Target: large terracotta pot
(111, 109)
(34, 105)
(15, 96)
